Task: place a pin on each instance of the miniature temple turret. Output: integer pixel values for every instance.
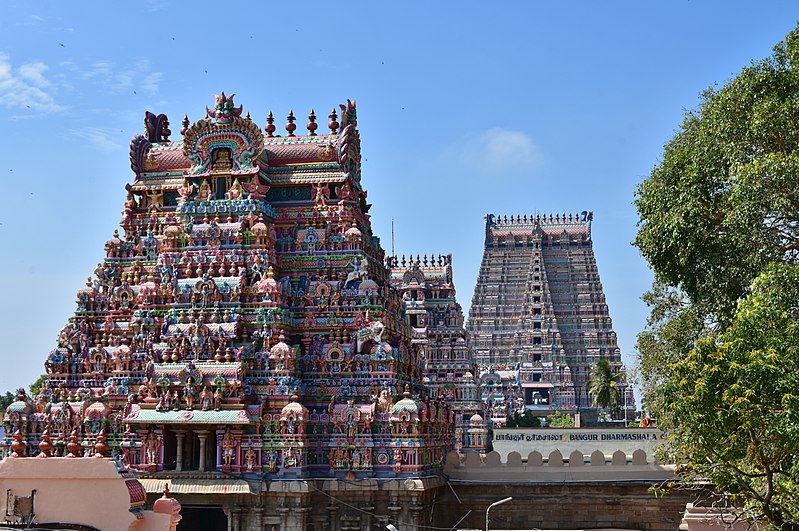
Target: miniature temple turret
(538, 319)
(428, 296)
(244, 320)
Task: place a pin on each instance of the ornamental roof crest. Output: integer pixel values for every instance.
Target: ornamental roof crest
(223, 111)
(224, 142)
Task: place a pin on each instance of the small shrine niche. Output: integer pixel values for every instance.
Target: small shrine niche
(222, 160)
(221, 166)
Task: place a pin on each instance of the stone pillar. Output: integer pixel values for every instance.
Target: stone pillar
(259, 517)
(283, 511)
(179, 435)
(394, 512)
(301, 517)
(235, 519)
(332, 511)
(416, 513)
(202, 435)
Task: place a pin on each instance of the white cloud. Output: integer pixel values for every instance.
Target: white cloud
(99, 137)
(26, 88)
(138, 77)
(497, 149)
(33, 20)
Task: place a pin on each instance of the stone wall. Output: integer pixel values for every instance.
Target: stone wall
(567, 440)
(549, 492)
(575, 505)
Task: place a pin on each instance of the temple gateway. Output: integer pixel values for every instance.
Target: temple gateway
(247, 339)
(539, 320)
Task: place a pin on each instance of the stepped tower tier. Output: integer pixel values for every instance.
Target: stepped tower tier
(436, 318)
(538, 319)
(244, 320)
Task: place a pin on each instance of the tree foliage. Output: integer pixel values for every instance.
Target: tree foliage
(724, 201)
(603, 385)
(5, 401)
(527, 420)
(718, 356)
(560, 420)
(36, 387)
(731, 407)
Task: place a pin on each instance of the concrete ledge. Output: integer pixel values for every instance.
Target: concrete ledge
(555, 469)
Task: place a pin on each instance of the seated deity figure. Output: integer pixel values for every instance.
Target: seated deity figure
(236, 192)
(222, 160)
(205, 193)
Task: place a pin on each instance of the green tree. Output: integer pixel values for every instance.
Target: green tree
(528, 420)
(36, 387)
(603, 385)
(720, 210)
(724, 201)
(731, 407)
(672, 330)
(560, 420)
(5, 401)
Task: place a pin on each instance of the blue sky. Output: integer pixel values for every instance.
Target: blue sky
(464, 108)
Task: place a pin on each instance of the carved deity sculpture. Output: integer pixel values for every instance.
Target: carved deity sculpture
(249, 459)
(204, 194)
(152, 445)
(385, 403)
(236, 192)
(228, 448)
(206, 399)
(189, 393)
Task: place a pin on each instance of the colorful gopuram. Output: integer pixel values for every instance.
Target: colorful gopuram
(436, 319)
(244, 321)
(539, 320)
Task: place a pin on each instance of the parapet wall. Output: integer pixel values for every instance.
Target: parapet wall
(578, 467)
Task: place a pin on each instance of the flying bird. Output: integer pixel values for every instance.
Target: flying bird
(61, 44)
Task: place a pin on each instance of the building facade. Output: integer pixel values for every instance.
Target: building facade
(539, 320)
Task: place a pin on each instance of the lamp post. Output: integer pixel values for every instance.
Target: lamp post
(500, 502)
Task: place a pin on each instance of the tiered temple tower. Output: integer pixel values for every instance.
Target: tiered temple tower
(245, 321)
(436, 319)
(539, 320)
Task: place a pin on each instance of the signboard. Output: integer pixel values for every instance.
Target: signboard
(567, 440)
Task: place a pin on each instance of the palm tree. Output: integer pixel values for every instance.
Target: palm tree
(604, 385)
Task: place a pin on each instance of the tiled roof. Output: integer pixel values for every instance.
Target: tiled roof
(179, 485)
(144, 416)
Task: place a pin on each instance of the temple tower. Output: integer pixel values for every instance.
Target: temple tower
(429, 298)
(244, 320)
(539, 320)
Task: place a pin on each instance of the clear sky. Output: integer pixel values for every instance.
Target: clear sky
(464, 108)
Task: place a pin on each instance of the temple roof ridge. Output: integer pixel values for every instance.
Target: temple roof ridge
(539, 219)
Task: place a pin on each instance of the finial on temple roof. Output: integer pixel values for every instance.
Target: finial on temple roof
(156, 127)
(223, 111)
(185, 124)
(349, 114)
(333, 123)
(312, 125)
(291, 126)
(270, 125)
